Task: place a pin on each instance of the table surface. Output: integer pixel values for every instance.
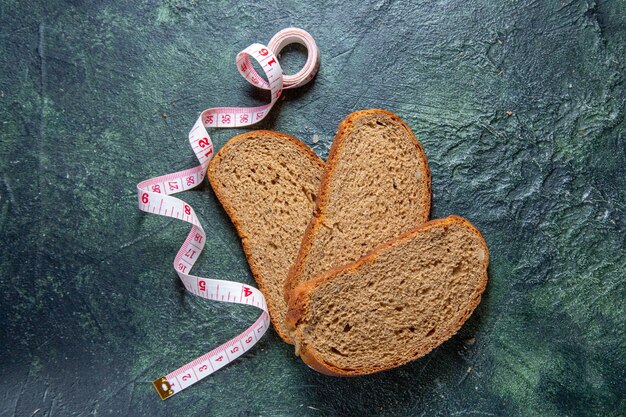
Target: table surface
(520, 106)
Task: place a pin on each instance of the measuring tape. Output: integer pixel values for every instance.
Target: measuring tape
(155, 196)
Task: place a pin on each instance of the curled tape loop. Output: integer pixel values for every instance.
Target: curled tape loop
(312, 64)
(155, 196)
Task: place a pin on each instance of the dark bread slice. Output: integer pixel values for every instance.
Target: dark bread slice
(394, 305)
(267, 183)
(376, 187)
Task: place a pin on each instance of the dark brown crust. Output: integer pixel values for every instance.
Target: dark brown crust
(318, 216)
(298, 305)
(231, 213)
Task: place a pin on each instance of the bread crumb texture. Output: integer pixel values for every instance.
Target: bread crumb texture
(267, 183)
(396, 304)
(377, 187)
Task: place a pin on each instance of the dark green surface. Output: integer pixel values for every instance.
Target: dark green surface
(96, 96)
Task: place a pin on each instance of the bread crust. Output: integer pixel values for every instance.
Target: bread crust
(231, 213)
(317, 220)
(298, 304)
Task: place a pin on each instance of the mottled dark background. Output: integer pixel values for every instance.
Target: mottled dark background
(520, 106)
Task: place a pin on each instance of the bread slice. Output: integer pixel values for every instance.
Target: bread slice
(376, 187)
(394, 305)
(267, 182)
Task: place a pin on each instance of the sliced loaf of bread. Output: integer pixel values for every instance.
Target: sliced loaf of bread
(394, 305)
(267, 183)
(376, 187)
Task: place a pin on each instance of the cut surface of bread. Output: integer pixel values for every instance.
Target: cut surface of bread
(394, 305)
(267, 183)
(376, 187)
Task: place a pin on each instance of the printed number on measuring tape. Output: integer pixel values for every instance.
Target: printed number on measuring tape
(155, 196)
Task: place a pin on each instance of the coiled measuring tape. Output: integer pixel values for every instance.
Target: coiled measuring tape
(155, 196)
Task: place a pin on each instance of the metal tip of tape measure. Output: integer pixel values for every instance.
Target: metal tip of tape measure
(163, 388)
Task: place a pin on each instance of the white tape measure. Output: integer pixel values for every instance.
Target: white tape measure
(155, 197)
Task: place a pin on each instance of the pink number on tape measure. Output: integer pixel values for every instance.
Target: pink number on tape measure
(155, 196)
